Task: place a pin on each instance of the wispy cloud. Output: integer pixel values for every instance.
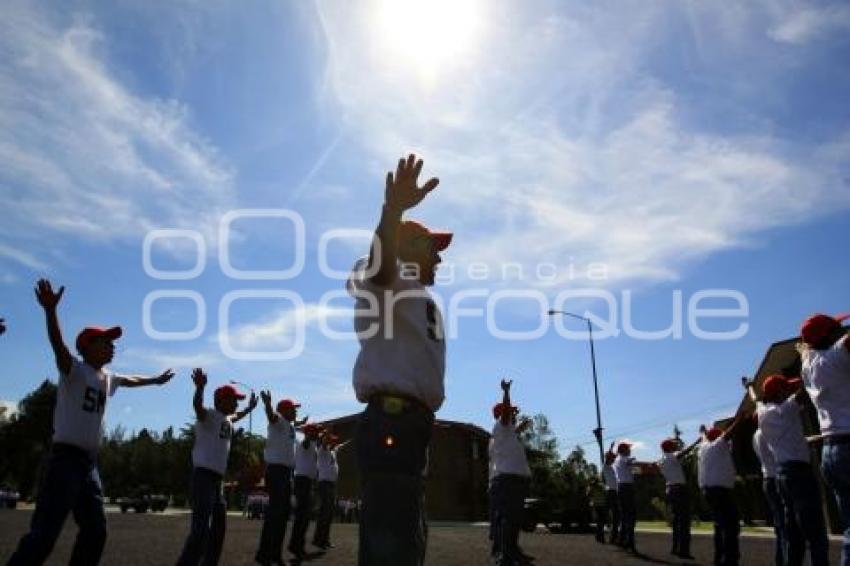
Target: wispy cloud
(561, 147)
(802, 25)
(81, 154)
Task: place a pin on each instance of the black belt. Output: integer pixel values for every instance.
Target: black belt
(71, 450)
(395, 404)
(836, 439)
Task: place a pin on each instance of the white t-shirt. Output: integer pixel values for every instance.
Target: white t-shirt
(671, 468)
(609, 477)
(715, 467)
(826, 375)
(491, 466)
(212, 441)
(623, 469)
(762, 450)
(305, 460)
(280, 443)
(508, 456)
(81, 404)
(403, 352)
(782, 428)
(328, 466)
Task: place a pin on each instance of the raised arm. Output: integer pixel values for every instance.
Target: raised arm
(301, 422)
(142, 381)
(505, 418)
(523, 425)
(200, 380)
(749, 387)
(48, 299)
(401, 194)
(247, 410)
(266, 396)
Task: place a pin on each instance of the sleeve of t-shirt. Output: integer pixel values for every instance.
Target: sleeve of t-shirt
(73, 371)
(358, 281)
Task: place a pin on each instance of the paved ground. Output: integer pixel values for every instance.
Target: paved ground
(143, 540)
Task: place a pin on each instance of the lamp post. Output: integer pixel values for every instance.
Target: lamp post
(597, 432)
(251, 414)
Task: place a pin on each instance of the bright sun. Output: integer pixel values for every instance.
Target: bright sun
(430, 36)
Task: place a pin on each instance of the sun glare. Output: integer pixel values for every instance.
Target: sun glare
(428, 36)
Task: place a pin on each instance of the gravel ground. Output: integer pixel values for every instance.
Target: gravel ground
(142, 540)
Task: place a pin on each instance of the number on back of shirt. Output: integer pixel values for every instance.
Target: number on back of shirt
(225, 430)
(94, 400)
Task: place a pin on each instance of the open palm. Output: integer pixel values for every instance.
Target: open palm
(402, 190)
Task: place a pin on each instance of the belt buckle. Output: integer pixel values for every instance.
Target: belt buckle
(392, 405)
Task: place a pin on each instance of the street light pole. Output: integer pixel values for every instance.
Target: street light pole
(598, 430)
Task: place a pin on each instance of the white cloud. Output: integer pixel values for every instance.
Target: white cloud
(803, 25)
(81, 154)
(556, 146)
(278, 330)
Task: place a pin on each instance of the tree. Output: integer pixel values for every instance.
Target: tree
(25, 437)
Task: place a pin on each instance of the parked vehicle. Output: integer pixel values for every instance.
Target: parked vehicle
(256, 505)
(9, 498)
(143, 503)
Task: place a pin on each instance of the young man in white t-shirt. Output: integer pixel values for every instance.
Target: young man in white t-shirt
(279, 456)
(612, 505)
(511, 478)
(626, 495)
(306, 471)
(71, 481)
(213, 432)
(716, 477)
(676, 488)
(781, 426)
(328, 472)
(825, 354)
(399, 372)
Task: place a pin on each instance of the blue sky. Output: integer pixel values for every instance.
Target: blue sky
(683, 146)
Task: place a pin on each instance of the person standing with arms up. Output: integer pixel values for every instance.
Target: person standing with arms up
(825, 354)
(279, 456)
(71, 480)
(399, 372)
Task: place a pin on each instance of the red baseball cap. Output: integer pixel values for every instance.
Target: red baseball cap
(285, 404)
(774, 385)
(85, 336)
(499, 408)
(228, 391)
(669, 444)
(411, 229)
(819, 326)
(622, 446)
(713, 433)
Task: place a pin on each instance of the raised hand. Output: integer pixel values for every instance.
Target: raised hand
(199, 377)
(266, 396)
(506, 385)
(165, 377)
(252, 402)
(2, 325)
(47, 298)
(402, 190)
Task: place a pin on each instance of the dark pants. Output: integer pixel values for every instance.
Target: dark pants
(680, 507)
(836, 471)
(279, 486)
(392, 447)
(777, 511)
(511, 491)
(209, 520)
(71, 484)
(628, 514)
(726, 525)
(613, 501)
(493, 513)
(303, 506)
(803, 513)
(327, 502)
